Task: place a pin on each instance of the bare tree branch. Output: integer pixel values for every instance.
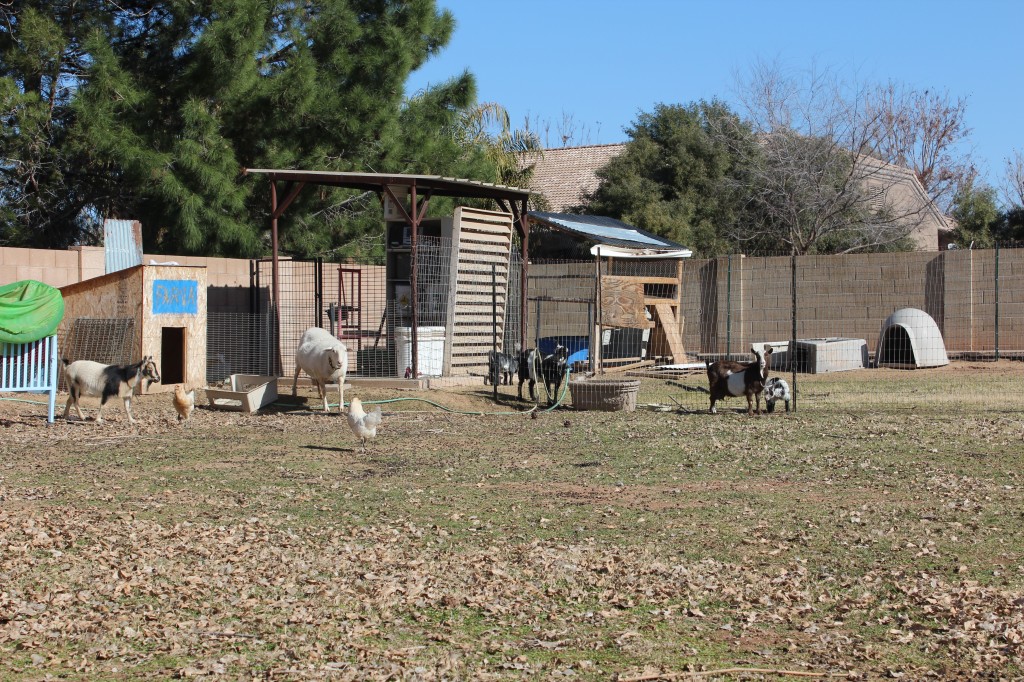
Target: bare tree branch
(925, 131)
(821, 181)
(1013, 180)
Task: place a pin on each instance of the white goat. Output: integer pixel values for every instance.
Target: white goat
(324, 358)
(96, 380)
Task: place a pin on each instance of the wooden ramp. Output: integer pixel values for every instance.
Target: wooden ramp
(666, 319)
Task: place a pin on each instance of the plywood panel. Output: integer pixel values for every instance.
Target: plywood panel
(622, 303)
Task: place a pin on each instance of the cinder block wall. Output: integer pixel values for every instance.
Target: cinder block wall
(727, 303)
(560, 317)
(852, 295)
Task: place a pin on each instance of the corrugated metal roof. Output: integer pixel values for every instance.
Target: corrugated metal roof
(122, 244)
(604, 230)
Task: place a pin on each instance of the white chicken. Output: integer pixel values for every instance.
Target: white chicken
(362, 424)
(184, 403)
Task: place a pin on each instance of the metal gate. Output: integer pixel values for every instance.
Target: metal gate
(301, 305)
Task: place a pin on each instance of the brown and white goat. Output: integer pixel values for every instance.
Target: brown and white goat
(731, 378)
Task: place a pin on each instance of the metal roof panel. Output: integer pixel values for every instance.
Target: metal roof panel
(122, 244)
(604, 230)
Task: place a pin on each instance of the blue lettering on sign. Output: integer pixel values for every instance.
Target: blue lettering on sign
(175, 297)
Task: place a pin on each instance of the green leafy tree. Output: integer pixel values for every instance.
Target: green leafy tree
(977, 216)
(670, 179)
(169, 100)
(1009, 229)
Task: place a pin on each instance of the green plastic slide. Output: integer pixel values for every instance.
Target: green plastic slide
(29, 311)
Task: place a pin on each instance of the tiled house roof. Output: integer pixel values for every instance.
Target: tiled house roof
(563, 176)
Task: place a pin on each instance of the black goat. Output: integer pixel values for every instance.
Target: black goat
(529, 362)
(501, 367)
(534, 367)
(553, 367)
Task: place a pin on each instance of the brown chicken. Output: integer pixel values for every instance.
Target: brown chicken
(184, 403)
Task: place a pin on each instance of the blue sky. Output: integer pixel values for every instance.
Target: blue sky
(600, 62)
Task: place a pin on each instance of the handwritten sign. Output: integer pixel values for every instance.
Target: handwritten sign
(175, 297)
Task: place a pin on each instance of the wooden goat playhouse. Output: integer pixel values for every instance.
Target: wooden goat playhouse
(157, 310)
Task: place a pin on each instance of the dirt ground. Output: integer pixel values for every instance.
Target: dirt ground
(878, 542)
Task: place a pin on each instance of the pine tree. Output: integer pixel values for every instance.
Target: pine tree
(174, 98)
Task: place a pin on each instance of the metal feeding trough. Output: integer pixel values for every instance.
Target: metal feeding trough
(248, 393)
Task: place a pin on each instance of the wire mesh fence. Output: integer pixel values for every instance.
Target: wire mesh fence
(238, 343)
(858, 330)
(110, 341)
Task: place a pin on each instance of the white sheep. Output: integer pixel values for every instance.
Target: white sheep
(325, 359)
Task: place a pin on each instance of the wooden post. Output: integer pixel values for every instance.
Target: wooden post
(494, 327)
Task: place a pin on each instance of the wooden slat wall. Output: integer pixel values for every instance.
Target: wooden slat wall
(479, 239)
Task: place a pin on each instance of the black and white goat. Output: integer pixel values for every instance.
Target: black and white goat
(96, 380)
(731, 378)
(776, 389)
(501, 367)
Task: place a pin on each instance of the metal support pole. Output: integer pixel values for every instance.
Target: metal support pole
(590, 326)
(254, 290)
(413, 284)
(792, 341)
(536, 328)
(275, 274)
(599, 316)
(318, 291)
(494, 329)
(997, 301)
(728, 309)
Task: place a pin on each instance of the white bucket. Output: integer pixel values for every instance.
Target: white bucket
(429, 352)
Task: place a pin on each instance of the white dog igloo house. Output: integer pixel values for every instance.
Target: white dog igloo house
(910, 339)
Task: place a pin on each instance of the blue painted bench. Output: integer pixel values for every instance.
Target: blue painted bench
(30, 368)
